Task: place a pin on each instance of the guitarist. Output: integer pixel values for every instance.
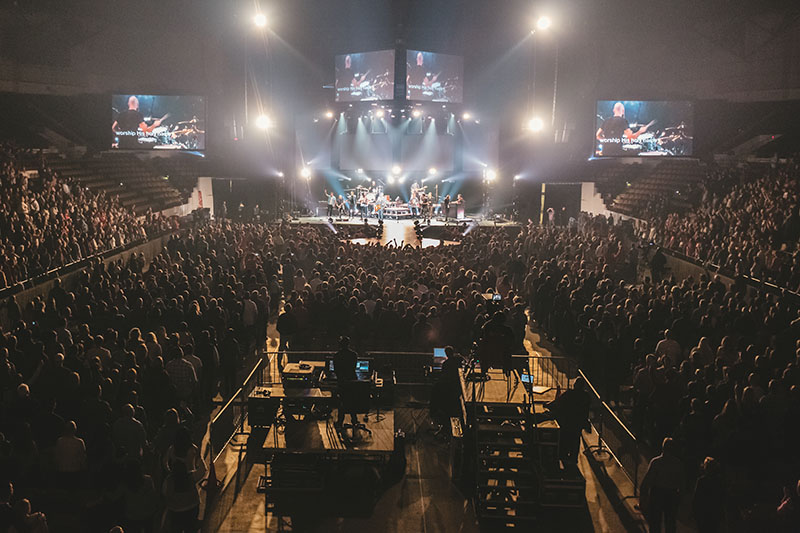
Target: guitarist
(615, 132)
(129, 122)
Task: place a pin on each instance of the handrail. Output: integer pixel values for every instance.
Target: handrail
(708, 265)
(228, 403)
(620, 422)
(35, 280)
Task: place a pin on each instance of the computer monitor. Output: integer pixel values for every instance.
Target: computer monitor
(330, 365)
(362, 365)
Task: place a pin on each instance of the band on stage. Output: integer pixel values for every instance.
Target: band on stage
(372, 202)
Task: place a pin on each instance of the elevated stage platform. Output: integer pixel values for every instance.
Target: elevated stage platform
(402, 231)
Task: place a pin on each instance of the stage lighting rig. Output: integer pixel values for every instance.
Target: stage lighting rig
(543, 23)
(535, 124)
(263, 122)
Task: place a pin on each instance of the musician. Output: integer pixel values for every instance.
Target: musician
(331, 202)
(129, 122)
(425, 204)
(419, 77)
(446, 206)
(615, 132)
(460, 206)
(380, 202)
(364, 204)
(351, 202)
(341, 207)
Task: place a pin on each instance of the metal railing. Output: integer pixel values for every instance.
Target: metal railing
(614, 437)
(230, 420)
(62, 270)
(548, 371)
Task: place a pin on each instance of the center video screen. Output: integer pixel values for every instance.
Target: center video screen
(432, 77)
(643, 128)
(158, 122)
(365, 77)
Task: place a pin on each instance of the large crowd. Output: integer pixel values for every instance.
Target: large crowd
(48, 221)
(107, 383)
(746, 224)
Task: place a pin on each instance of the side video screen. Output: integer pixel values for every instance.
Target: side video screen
(158, 122)
(643, 128)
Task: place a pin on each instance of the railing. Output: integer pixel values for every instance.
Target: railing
(36, 279)
(614, 437)
(548, 371)
(757, 283)
(230, 420)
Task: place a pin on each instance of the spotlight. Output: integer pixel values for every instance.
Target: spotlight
(260, 20)
(432, 171)
(379, 113)
(390, 179)
(402, 179)
(360, 171)
(396, 170)
(491, 174)
(416, 113)
(263, 122)
(466, 115)
(535, 124)
(280, 173)
(518, 177)
(329, 114)
(305, 172)
(543, 23)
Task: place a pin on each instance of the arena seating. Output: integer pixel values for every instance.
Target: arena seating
(670, 182)
(137, 184)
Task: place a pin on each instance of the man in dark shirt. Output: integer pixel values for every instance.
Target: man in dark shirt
(419, 78)
(615, 132)
(344, 366)
(129, 122)
(286, 326)
(571, 410)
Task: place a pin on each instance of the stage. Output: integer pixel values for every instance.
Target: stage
(402, 231)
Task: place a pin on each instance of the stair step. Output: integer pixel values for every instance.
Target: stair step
(503, 445)
(504, 488)
(500, 428)
(515, 473)
(491, 418)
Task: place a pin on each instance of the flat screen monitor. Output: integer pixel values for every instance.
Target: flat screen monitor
(432, 77)
(643, 128)
(158, 122)
(362, 365)
(365, 77)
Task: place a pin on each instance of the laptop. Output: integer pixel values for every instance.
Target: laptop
(362, 369)
(527, 381)
(439, 357)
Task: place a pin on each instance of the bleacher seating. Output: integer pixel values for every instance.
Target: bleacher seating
(137, 184)
(668, 182)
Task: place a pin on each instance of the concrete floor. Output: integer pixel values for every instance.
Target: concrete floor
(425, 500)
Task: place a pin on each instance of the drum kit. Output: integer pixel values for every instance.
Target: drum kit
(185, 135)
(670, 141)
(373, 90)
